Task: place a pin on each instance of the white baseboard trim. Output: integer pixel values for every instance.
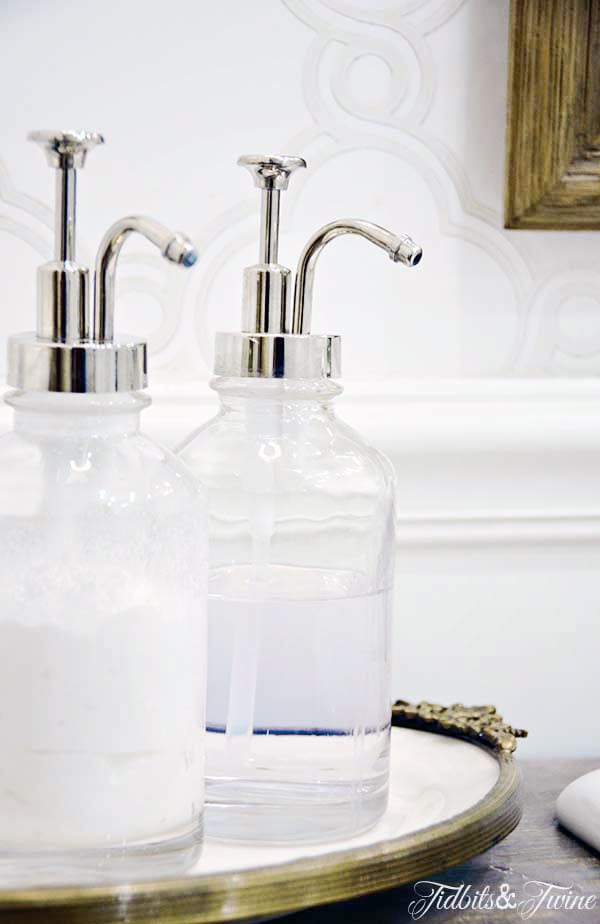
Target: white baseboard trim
(494, 527)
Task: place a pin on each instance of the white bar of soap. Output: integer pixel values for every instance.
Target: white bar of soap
(578, 808)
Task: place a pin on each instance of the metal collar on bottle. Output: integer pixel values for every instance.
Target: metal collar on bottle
(74, 348)
(275, 340)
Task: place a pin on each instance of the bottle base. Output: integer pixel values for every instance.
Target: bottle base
(271, 818)
(167, 858)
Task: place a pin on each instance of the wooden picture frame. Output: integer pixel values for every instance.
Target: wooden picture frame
(552, 172)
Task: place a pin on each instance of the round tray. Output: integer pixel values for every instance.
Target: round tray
(454, 792)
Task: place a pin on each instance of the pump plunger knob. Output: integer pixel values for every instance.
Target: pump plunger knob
(272, 175)
(66, 148)
(66, 151)
(271, 171)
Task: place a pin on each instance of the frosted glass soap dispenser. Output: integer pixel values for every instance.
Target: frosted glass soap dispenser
(301, 552)
(102, 584)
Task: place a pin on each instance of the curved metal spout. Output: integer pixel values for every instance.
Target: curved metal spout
(400, 248)
(173, 245)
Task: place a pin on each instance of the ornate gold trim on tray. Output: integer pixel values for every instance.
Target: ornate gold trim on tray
(315, 880)
(482, 724)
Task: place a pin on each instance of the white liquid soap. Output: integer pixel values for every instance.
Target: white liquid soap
(103, 560)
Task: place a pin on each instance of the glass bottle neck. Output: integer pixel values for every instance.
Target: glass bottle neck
(238, 394)
(62, 413)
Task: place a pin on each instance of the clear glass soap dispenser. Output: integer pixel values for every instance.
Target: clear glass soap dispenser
(102, 584)
(301, 554)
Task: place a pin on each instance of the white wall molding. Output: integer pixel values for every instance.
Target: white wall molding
(493, 527)
(479, 461)
(498, 539)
